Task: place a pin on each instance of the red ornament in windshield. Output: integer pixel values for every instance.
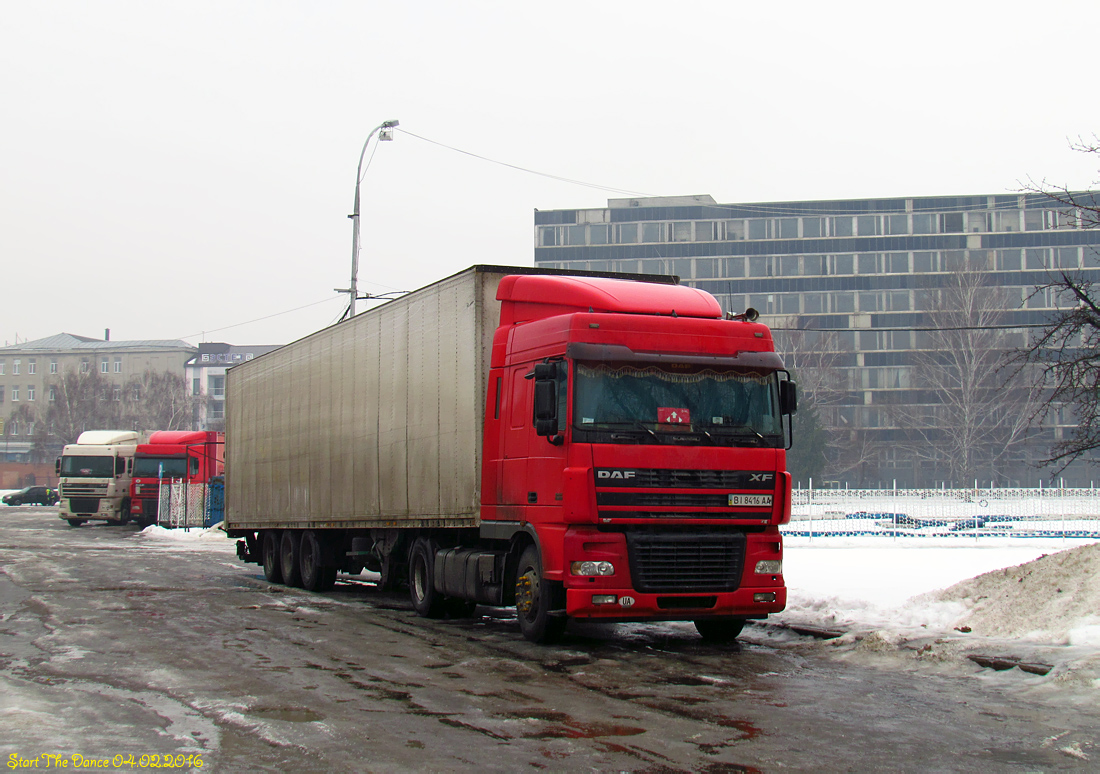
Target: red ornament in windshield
(674, 416)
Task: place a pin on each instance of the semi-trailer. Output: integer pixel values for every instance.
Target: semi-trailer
(600, 447)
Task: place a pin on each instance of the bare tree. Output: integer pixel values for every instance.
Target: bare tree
(79, 402)
(1066, 352)
(976, 413)
(159, 400)
(814, 358)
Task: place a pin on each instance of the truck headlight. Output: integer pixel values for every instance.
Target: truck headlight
(592, 568)
(769, 567)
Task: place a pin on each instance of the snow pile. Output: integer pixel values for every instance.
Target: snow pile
(1054, 599)
(154, 532)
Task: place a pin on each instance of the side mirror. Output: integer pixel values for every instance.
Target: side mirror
(57, 466)
(788, 397)
(120, 465)
(546, 399)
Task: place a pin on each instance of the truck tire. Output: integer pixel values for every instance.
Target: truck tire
(426, 601)
(719, 630)
(535, 597)
(269, 552)
(290, 547)
(75, 522)
(315, 575)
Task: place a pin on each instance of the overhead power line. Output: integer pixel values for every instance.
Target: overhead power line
(525, 169)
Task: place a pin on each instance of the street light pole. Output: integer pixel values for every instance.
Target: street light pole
(353, 289)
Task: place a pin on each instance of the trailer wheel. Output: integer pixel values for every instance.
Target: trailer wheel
(315, 576)
(290, 546)
(427, 602)
(273, 569)
(719, 630)
(535, 597)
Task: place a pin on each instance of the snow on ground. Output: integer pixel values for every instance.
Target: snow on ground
(943, 600)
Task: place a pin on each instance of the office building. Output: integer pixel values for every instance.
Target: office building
(865, 287)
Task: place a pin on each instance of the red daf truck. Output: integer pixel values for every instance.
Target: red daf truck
(608, 448)
(191, 456)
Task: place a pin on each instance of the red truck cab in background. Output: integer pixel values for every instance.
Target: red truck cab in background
(191, 456)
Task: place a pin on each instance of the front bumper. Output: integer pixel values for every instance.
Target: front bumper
(630, 605)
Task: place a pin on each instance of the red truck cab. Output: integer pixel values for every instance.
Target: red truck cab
(191, 456)
(649, 461)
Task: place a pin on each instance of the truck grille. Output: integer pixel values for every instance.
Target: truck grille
(83, 504)
(663, 499)
(684, 479)
(78, 490)
(685, 561)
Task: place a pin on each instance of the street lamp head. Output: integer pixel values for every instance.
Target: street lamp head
(390, 124)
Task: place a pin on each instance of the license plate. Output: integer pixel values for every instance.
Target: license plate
(750, 499)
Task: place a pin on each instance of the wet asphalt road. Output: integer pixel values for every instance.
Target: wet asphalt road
(115, 646)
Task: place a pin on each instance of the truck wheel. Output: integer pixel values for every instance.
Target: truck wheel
(75, 522)
(314, 574)
(720, 630)
(290, 546)
(273, 569)
(425, 599)
(534, 598)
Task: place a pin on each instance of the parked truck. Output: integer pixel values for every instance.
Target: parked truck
(578, 446)
(193, 457)
(94, 475)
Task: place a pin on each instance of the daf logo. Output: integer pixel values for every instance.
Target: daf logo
(763, 477)
(609, 474)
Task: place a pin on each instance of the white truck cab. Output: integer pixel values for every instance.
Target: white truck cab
(95, 474)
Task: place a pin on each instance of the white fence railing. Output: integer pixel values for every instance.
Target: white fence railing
(1041, 512)
(182, 504)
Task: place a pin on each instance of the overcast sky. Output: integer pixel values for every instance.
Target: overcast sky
(173, 170)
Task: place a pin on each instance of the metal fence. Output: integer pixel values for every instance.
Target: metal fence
(1041, 512)
(190, 505)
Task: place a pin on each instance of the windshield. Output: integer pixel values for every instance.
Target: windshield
(150, 467)
(676, 403)
(88, 467)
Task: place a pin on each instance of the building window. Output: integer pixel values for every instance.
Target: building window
(84, 366)
(14, 394)
(53, 392)
(788, 228)
(216, 387)
(2, 366)
(53, 365)
(13, 427)
(118, 365)
(896, 224)
(196, 386)
(652, 232)
(626, 233)
(30, 392)
(1, 393)
(735, 229)
(117, 393)
(15, 367)
(599, 235)
(923, 223)
(842, 227)
(548, 236)
(951, 223)
(104, 365)
(32, 365)
(216, 411)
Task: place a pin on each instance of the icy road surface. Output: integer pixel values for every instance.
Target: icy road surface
(115, 642)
